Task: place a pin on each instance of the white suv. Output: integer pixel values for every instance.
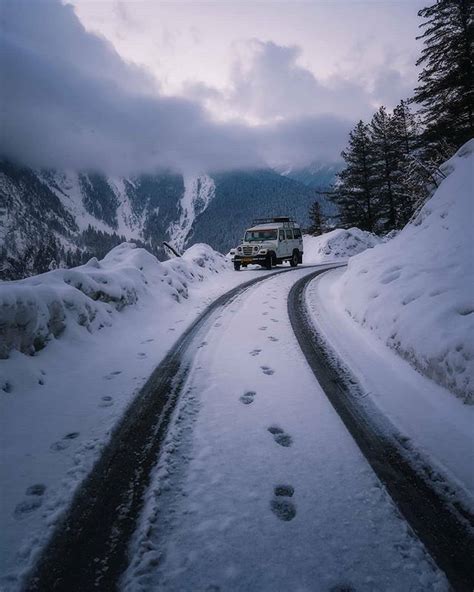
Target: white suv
(269, 242)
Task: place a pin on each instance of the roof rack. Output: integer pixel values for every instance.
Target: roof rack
(277, 219)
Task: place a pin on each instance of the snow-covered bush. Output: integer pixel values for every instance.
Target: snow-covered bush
(337, 244)
(416, 292)
(38, 309)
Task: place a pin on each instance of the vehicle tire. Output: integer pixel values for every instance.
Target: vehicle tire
(269, 261)
(236, 266)
(244, 264)
(294, 259)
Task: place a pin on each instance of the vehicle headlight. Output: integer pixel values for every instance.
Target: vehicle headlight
(239, 248)
(255, 249)
(263, 251)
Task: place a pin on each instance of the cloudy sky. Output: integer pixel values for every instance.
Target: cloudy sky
(126, 86)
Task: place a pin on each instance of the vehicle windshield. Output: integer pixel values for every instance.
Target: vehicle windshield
(261, 235)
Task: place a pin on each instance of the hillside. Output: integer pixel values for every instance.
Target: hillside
(415, 291)
(242, 196)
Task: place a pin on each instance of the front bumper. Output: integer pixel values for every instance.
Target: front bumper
(250, 259)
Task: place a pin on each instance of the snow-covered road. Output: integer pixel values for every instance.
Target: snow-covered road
(233, 471)
(260, 486)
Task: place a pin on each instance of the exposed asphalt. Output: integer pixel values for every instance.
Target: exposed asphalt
(442, 524)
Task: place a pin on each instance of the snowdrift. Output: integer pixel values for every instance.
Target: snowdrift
(37, 309)
(337, 244)
(416, 291)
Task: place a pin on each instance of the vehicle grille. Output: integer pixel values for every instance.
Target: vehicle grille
(247, 251)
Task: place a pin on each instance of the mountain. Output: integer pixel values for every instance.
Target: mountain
(62, 218)
(242, 196)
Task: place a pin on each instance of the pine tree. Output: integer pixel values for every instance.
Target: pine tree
(354, 192)
(317, 226)
(385, 153)
(407, 129)
(446, 83)
(413, 173)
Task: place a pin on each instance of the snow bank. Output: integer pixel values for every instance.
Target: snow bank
(337, 244)
(38, 309)
(416, 291)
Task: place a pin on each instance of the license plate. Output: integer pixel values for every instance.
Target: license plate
(246, 260)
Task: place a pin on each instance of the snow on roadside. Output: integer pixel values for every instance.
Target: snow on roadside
(339, 244)
(416, 291)
(114, 321)
(40, 308)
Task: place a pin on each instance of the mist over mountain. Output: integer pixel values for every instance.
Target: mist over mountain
(317, 174)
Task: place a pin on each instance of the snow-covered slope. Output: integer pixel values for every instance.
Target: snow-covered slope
(39, 309)
(416, 292)
(198, 193)
(336, 245)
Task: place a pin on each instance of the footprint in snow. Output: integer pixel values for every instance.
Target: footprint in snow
(113, 374)
(147, 341)
(263, 328)
(264, 314)
(255, 352)
(275, 320)
(283, 508)
(272, 307)
(141, 355)
(202, 344)
(36, 489)
(6, 387)
(65, 442)
(33, 502)
(271, 338)
(106, 401)
(280, 436)
(27, 506)
(247, 397)
(217, 324)
(267, 370)
(284, 491)
(342, 588)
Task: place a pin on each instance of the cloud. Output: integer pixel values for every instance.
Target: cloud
(70, 101)
(276, 86)
(303, 140)
(271, 85)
